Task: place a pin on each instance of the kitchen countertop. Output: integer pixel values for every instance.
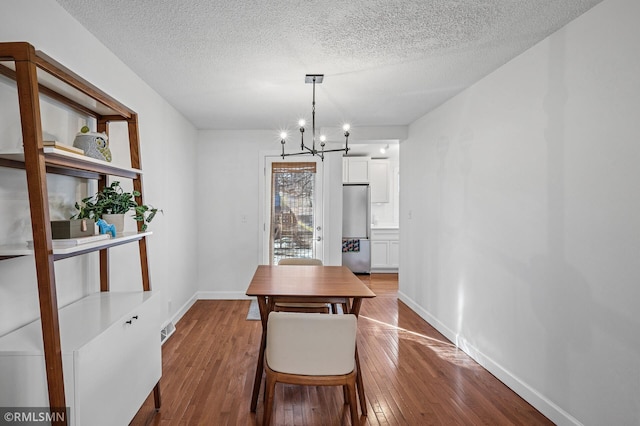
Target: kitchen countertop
(384, 226)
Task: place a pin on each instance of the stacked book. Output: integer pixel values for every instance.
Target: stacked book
(63, 147)
(73, 242)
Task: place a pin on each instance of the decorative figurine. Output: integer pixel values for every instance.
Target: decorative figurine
(106, 228)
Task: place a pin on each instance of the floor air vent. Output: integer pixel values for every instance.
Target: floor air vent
(166, 332)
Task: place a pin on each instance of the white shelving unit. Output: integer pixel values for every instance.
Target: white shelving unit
(102, 351)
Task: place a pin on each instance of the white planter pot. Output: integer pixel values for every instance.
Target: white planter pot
(115, 219)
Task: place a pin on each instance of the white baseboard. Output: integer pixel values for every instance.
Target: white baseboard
(183, 310)
(384, 270)
(205, 295)
(222, 295)
(529, 394)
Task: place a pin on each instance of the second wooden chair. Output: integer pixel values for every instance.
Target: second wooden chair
(310, 307)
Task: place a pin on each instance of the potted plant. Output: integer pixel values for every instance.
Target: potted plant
(113, 200)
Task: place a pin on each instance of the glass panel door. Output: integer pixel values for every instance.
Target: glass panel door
(294, 199)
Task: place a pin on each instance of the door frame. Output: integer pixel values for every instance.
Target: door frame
(266, 158)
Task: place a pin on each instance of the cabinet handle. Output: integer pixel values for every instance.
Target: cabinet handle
(130, 321)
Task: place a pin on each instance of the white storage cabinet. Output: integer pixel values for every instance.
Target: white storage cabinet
(385, 250)
(111, 358)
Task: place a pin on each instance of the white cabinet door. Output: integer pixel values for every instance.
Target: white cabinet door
(119, 367)
(379, 179)
(385, 251)
(356, 170)
(379, 254)
(110, 366)
(394, 254)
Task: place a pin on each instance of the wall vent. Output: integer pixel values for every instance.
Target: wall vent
(166, 332)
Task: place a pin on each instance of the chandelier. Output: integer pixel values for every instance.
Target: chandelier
(313, 150)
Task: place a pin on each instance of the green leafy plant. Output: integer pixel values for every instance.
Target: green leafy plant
(114, 200)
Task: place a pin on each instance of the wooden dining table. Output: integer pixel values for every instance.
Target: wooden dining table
(305, 283)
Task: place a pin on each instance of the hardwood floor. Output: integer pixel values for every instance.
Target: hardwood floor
(412, 374)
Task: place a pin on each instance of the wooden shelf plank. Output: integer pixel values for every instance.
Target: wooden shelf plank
(14, 250)
(61, 160)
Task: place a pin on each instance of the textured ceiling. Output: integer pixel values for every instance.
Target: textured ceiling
(240, 64)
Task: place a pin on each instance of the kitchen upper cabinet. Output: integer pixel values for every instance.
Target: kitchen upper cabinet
(366, 170)
(379, 180)
(355, 169)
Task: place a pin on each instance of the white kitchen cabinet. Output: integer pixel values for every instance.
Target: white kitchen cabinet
(394, 254)
(111, 358)
(385, 250)
(355, 169)
(379, 254)
(379, 180)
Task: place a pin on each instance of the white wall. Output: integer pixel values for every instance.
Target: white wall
(168, 155)
(521, 233)
(230, 165)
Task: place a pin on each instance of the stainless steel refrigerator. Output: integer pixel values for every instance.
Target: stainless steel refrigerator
(356, 227)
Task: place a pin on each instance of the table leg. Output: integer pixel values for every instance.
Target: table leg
(262, 303)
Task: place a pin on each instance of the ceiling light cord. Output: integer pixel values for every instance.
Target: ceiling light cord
(314, 78)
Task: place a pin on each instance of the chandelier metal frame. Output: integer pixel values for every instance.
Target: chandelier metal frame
(304, 149)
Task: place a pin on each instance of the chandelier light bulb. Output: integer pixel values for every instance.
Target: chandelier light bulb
(323, 138)
(283, 135)
(301, 122)
(346, 127)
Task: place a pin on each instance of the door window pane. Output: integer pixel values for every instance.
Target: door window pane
(292, 221)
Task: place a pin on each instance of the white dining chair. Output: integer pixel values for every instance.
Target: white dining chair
(311, 350)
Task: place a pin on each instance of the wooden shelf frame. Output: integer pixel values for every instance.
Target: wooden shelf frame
(37, 74)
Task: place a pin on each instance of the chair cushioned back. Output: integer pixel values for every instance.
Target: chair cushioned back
(311, 344)
(300, 261)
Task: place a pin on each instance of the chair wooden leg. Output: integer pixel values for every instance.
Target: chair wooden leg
(257, 381)
(363, 401)
(269, 390)
(157, 400)
(353, 403)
